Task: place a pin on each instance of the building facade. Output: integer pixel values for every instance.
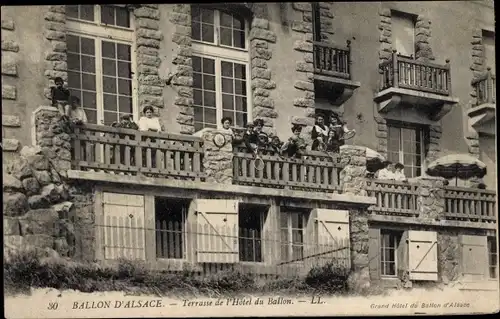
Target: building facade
(414, 79)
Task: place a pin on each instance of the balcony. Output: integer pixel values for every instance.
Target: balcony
(332, 72)
(482, 114)
(405, 81)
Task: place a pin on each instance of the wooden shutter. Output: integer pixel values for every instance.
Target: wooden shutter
(333, 235)
(217, 233)
(474, 257)
(124, 233)
(422, 255)
(374, 253)
(402, 255)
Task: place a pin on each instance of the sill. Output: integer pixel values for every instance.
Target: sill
(102, 25)
(220, 45)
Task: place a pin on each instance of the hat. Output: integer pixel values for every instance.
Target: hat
(258, 122)
(126, 117)
(250, 124)
(296, 127)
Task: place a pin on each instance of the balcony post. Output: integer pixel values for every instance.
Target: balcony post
(489, 85)
(138, 153)
(217, 161)
(430, 198)
(349, 60)
(395, 70)
(448, 79)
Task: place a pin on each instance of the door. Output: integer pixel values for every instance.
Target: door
(474, 257)
(333, 235)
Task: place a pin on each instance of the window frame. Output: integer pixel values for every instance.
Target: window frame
(420, 132)
(410, 17)
(383, 262)
(492, 242)
(185, 235)
(99, 32)
(97, 19)
(262, 238)
(290, 229)
(220, 53)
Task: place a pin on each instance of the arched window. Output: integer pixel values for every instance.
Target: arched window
(221, 67)
(101, 60)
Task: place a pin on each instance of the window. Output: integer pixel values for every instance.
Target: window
(406, 145)
(220, 66)
(316, 13)
(388, 253)
(403, 33)
(100, 61)
(250, 222)
(492, 257)
(292, 234)
(489, 48)
(170, 219)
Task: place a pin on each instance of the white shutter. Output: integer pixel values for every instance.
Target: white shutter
(422, 254)
(474, 257)
(333, 236)
(124, 233)
(217, 231)
(403, 35)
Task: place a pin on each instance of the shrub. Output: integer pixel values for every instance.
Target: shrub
(330, 278)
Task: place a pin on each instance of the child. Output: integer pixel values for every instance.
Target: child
(77, 113)
(295, 146)
(337, 129)
(262, 137)
(319, 134)
(250, 138)
(226, 126)
(60, 98)
(126, 121)
(399, 174)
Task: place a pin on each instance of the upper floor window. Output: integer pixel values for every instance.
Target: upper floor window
(489, 48)
(100, 61)
(406, 145)
(403, 33)
(221, 68)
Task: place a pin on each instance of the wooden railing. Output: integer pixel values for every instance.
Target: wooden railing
(407, 73)
(332, 60)
(485, 88)
(131, 152)
(316, 171)
(393, 198)
(470, 204)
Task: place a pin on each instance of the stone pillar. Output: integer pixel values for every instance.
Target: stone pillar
(217, 162)
(352, 176)
(423, 50)
(448, 256)
(430, 198)
(359, 279)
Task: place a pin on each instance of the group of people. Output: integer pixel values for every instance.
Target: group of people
(391, 171)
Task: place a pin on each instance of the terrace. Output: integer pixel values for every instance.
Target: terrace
(127, 156)
(406, 81)
(482, 113)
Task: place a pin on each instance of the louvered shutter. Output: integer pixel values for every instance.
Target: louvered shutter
(374, 253)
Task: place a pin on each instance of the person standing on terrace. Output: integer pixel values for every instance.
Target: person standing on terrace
(386, 173)
(295, 146)
(61, 98)
(150, 122)
(399, 174)
(319, 134)
(226, 126)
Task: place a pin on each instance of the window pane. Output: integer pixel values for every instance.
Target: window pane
(197, 83)
(124, 87)
(108, 15)
(226, 20)
(122, 17)
(227, 85)
(73, 62)
(74, 79)
(91, 116)
(196, 64)
(109, 102)
(228, 114)
(195, 13)
(108, 67)
(284, 219)
(208, 66)
(124, 70)
(89, 100)
(108, 49)
(87, 46)
(88, 64)
(110, 117)
(198, 114)
(88, 82)
(123, 51)
(284, 236)
(207, 33)
(73, 43)
(239, 39)
(240, 87)
(295, 220)
(227, 102)
(240, 71)
(284, 253)
(197, 97)
(109, 84)
(209, 99)
(198, 125)
(241, 119)
(238, 23)
(210, 116)
(76, 93)
(87, 12)
(196, 30)
(297, 237)
(226, 36)
(209, 82)
(125, 104)
(227, 69)
(207, 16)
(72, 11)
(240, 103)
(297, 253)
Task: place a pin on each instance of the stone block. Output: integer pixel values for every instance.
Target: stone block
(303, 46)
(187, 110)
(265, 54)
(9, 68)
(151, 100)
(304, 67)
(264, 112)
(261, 73)
(263, 102)
(301, 102)
(183, 101)
(11, 226)
(149, 34)
(58, 46)
(10, 144)
(14, 204)
(258, 62)
(147, 70)
(261, 92)
(302, 6)
(9, 92)
(303, 85)
(185, 119)
(182, 8)
(148, 43)
(147, 23)
(301, 26)
(262, 34)
(7, 24)
(260, 23)
(184, 91)
(31, 186)
(151, 90)
(146, 12)
(304, 121)
(180, 18)
(263, 84)
(256, 43)
(182, 80)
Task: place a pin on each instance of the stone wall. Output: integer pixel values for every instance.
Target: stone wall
(423, 50)
(359, 278)
(217, 162)
(430, 198)
(352, 176)
(55, 57)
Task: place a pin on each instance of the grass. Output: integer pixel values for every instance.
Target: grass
(25, 270)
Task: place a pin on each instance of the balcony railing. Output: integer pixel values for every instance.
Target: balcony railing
(131, 152)
(315, 171)
(407, 73)
(332, 60)
(470, 204)
(393, 198)
(485, 88)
